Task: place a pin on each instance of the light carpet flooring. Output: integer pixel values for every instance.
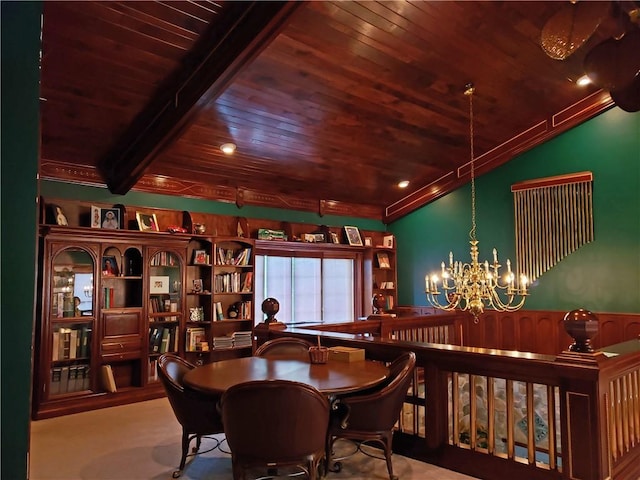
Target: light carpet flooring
(142, 441)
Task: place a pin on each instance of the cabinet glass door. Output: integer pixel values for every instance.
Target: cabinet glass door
(72, 322)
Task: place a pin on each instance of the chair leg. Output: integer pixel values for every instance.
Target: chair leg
(185, 451)
(387, 439)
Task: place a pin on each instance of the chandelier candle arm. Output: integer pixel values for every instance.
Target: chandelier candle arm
(476, 285)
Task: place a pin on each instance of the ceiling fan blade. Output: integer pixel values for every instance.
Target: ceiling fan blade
(628, 99)
(613, 64)
(569, 28)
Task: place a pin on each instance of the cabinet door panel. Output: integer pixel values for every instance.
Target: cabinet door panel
(121, 323)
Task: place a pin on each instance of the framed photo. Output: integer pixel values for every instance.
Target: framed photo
(334, 237)
(147, 222)
(387, 241)
(368, 241)
(197, 285)
(158, 284)
(353, 236)
(110, 266)
(109, 218)
(96, 217)
(383, 260)
(199, 257)
(58, 215)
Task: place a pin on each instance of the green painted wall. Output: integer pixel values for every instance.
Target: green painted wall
(19, 162)
(603, 276)
(53, 189)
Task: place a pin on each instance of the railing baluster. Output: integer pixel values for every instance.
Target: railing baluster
(551, 422)
(531, 426)
(510, 422)
(491, 417)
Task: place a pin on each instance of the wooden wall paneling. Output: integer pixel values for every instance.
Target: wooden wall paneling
(545, 334)
(508, 334)
(526, 333)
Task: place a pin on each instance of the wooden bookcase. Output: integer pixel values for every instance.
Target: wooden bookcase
(114, 300)
(184, 292)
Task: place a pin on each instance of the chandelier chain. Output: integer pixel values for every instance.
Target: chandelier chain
(469, 92)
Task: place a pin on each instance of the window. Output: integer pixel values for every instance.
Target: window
(309, 289)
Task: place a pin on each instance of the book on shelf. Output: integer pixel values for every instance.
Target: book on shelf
(56, 376)
(219, 314)
(246, 284)
(164, 341)
(107, 379)
(194, 335)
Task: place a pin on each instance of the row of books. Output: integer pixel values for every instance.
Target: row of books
(161, 304)
(72, 378)
(164, 259)
(225, 256)
(108, 295)
(387, 285)
(163, 339)
(235, 282)
(70, 343)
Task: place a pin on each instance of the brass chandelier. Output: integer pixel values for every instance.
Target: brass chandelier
(475, 286)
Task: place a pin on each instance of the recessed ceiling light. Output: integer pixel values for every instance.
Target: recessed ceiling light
(228, 148)
(403, 184)
(583, 80)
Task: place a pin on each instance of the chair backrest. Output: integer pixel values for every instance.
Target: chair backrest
(284, 346)
(196, 412)
(276, 421)
(379, 410)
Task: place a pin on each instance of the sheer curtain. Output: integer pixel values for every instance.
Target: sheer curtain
(309, 289)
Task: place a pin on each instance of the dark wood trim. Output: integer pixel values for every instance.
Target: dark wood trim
(570, 117)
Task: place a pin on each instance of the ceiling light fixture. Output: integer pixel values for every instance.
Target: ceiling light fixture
(475, 286)
(583, 81)
(403, 184)
(228, 148)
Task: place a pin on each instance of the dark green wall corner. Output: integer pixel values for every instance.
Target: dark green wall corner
(19, 161)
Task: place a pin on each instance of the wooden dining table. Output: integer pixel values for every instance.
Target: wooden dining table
(331, 378)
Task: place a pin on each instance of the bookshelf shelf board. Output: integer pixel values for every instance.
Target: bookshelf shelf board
(199, 294)
(227, 349)
(205, 322)
(74, 320)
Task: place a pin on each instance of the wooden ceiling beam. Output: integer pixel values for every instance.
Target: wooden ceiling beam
(218, 56)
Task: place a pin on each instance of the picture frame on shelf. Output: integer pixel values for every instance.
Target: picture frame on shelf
(158, 284)
(200, 257)
(353, 236)
(110, 266)
(387, 241)
(147, 222)
(197, 285)
(383, 260)
(334, 237)
(368, 241)
(110, 218)
(58, 215)
(96, 216)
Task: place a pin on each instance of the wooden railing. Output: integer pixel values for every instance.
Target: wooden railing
(469, 408)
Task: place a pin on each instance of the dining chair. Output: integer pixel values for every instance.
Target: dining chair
(196, 412)
(370, 417)
(274, 424)
(284, 346)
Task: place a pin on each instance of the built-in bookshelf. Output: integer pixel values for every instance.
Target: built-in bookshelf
(123, 296)
(383, 276)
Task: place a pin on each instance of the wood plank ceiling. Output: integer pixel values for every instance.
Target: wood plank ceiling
(330, 104)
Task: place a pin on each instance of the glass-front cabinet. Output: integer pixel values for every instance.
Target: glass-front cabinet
(67, 342)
